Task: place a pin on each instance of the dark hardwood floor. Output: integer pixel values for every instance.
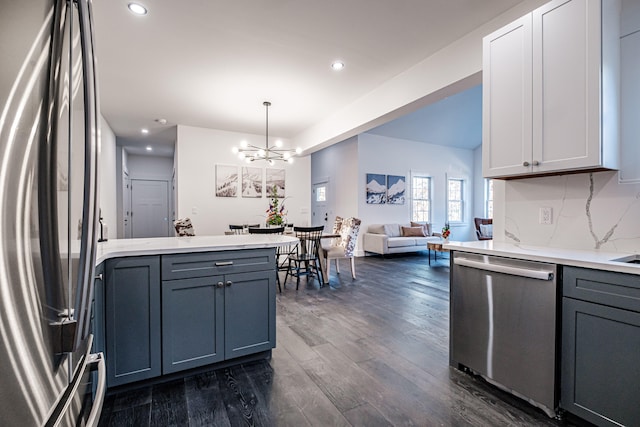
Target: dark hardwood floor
(369, 352)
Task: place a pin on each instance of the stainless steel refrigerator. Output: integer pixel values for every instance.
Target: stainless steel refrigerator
(48, 203)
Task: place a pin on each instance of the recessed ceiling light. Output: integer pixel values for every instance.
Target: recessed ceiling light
(144, 130)
(337, 65)
(137, 9)
(149, 148)
(161, 121)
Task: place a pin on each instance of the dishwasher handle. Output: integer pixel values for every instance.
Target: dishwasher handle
(498, 268)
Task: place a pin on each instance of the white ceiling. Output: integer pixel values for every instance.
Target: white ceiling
(211, 63)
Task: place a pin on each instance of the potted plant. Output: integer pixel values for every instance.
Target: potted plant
(446, 232)
(276, 211)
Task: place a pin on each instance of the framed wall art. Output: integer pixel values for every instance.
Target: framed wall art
(226, 181)
(275, 177)
(376, 189)
(395, 189)
(251, 182)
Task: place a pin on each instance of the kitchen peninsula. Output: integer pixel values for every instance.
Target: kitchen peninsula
(165, 305)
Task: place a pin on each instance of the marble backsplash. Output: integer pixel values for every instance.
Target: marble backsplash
(589, 211)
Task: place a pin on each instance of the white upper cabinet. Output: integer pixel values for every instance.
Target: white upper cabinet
(550, 100)
(630, 92)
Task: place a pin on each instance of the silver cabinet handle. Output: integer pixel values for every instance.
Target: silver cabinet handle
(497, 268)
(229, 283)
(220, 285)
(224, 263)
(536, 163)
(98, 277)
(525, 164)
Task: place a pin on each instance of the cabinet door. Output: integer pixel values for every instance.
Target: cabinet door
(566, 85)
(600, 369)
(250, 313)
(629, 107)
(507, 102)
(132, 319)
(192, 323)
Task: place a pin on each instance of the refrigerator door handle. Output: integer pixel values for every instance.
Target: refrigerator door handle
(89, 214)
(96, 410)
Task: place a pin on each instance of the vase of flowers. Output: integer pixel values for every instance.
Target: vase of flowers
(276, 211)
(446, 232)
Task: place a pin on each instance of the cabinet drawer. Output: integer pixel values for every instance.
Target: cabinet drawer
(603, 287)
(186, 266)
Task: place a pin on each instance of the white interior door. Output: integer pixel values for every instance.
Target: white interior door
(320, 205)
(149, 208)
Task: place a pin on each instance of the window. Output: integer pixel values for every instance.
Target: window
(321, 194)
(488, 198)
(420, 198)
(455, 207)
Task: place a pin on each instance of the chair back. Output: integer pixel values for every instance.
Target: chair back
(482, 221)
(270, 230)
(309, 238)
(337, 224)
(237, 229)
(349, 235)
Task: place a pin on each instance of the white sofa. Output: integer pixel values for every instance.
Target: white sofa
(389, 238)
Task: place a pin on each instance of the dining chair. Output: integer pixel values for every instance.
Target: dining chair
(344, 246)
(280, 250)
(241, 229)
(268, 230)
(482, 224)
(305, 261)
(236, 229)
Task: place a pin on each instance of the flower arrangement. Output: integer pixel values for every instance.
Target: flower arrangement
(446, 232)
(276, 211)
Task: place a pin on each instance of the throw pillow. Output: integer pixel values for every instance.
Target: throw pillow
(486, 230)
(184, 227)
(392, 230)
(413, 232)
(426, 226)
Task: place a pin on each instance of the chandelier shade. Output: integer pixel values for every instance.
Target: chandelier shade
(269, 153)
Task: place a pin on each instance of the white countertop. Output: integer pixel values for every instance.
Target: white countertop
(598, 260)
(174, 245)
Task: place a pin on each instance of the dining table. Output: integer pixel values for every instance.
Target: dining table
(321, 258)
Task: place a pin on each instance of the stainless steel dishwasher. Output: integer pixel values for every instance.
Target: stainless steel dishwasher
(504, 322)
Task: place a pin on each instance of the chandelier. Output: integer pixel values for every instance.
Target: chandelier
(250, 153)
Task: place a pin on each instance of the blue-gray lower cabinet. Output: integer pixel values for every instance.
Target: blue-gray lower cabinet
(601, 346)
(132, 319)
(192, 323)
(250, 313)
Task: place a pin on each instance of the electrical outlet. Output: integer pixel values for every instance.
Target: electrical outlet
(546, 215)
(194, 210)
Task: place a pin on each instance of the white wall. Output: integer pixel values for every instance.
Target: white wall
(198, 150)
(590, 211)
(337, 164)
(107, 177)
(478, 184)
(150, 167)
(391, 156)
